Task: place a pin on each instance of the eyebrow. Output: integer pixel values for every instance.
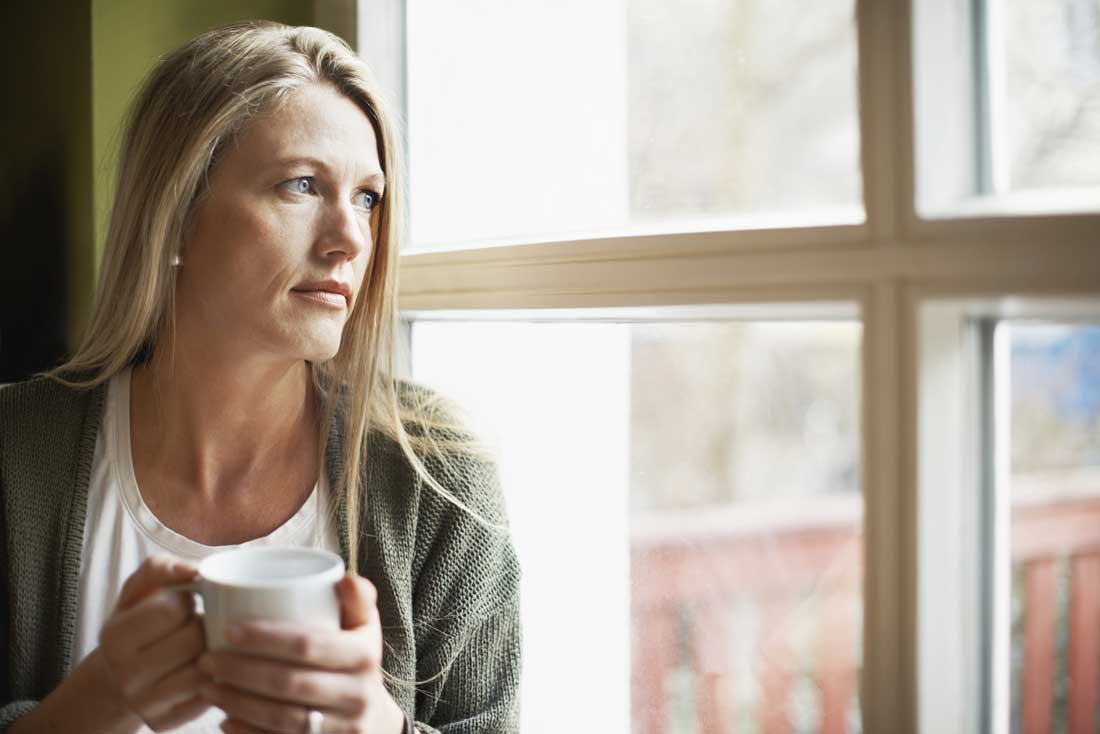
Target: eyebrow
(376, 178)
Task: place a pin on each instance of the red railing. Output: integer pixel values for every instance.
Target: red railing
(1056, 556)
(688, 589)
(689, 672)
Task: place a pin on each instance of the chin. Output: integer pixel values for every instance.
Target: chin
(321, 353)
(315, 348)
(312, 342)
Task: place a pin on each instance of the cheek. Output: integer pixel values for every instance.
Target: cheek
(248, 251)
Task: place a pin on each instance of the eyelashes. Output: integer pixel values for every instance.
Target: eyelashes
(372, 201)
(306, 185)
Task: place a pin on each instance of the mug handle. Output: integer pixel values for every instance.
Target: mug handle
(192, 588)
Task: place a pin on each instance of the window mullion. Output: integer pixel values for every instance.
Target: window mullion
(885, 122)
(888, 682)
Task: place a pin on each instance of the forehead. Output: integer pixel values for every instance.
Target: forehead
(315, 121)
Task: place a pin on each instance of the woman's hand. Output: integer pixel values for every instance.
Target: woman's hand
(280, 673)
(149, 647)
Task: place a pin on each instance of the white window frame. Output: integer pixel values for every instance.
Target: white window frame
(906, 273)
(963, 514)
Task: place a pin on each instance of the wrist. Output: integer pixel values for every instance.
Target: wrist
(91, 696)
(85, 701)
(398, 722)
(112, 705)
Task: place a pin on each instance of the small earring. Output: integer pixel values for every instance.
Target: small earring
(176, 262)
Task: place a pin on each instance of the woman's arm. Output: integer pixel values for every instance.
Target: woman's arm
(479, 689)
(144, 670)
(9, 710)
(83, 702)
(466, 608)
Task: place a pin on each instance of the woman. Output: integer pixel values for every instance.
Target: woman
(235, 387)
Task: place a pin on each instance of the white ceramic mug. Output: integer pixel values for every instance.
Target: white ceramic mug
(271, 584)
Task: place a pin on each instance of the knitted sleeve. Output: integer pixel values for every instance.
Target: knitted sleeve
(10, 710)
(466, 606)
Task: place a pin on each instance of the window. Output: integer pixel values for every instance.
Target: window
(1010, 453)
(685, 503)
(1052, 371)
(562, 299)
(628, 115)
(1044, 80)
(1007, 96)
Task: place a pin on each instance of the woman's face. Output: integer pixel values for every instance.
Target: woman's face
(277, 250)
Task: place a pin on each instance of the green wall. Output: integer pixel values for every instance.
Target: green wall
(70, 70)
(128, 37)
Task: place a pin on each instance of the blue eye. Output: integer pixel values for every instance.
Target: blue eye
(366, 199)
(301, 184)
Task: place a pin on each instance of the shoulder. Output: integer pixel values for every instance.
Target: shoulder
(41, 399)
(421, 456)
(426, 410)
(460, 499)
(47, 442)
(42, 419)
(442, 436)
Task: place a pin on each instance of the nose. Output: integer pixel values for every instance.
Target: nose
(345, 232)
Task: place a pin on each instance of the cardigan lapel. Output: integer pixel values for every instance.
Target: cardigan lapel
(334, 470)
(73, 548)
(51, 446)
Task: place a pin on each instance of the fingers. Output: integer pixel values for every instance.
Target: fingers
(319, 648)
(150, 644)
(232, 726)
(172, 652)
(248, 713)
(145, 622)
(156, 572)
(358, 601)
(181, 714)
(236, 726)
(165, 699)
(253, 678)
(315, 648)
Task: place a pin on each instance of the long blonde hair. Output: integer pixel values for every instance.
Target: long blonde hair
(190, 107)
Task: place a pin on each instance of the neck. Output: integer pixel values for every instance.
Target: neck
(223, 425)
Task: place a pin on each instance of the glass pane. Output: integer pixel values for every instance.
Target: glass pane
(1006, 104)
(685, 502)
(1055, 489)
(1051, 113)
(543, 118)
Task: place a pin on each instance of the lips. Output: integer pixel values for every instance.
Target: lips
(333, 293)
(324, 298)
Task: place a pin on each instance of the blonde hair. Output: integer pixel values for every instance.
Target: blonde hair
(190, 107)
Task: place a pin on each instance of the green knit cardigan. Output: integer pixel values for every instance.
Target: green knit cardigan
(448, 588)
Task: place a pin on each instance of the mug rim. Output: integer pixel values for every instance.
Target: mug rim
(331, 574)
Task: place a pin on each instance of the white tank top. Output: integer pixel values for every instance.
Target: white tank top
(120, 532)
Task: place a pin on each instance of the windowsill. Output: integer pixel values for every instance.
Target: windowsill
(1039, 202)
